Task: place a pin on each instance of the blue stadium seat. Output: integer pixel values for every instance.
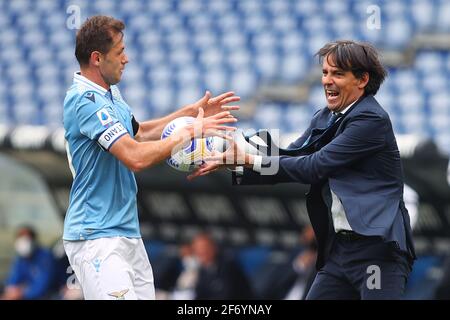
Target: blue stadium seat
(269, 116)
(223, 45)
(252, 258)
(443, 23)
(421, 283)
(422, 13)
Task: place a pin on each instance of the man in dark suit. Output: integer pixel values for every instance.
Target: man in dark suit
(219, 277)
(350, 158)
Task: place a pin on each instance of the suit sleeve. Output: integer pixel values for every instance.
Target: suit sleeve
(250, 177)
(98, 121)
(363, 136)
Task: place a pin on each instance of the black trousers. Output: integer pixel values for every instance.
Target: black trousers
(361, 268)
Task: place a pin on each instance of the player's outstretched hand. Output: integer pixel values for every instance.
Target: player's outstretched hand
(213, 125)
(215, 105)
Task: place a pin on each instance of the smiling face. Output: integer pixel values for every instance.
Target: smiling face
(341, 87)
(112, 64)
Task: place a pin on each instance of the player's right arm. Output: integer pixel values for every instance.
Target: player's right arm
(137, 156)
(98, 121)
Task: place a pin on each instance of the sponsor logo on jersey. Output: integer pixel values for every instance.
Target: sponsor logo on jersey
(90, 96)
(104, 117)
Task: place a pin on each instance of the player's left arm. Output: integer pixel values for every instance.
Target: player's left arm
(151, 130)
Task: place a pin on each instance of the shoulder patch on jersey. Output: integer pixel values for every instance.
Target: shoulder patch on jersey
(90, 96)
(104, 117)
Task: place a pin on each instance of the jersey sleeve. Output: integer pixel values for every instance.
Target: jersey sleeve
(98, 121)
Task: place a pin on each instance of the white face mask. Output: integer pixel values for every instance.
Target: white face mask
(190, 262)
(24, 246)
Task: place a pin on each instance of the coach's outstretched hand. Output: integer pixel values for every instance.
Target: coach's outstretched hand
(232, 157)
(215, 105)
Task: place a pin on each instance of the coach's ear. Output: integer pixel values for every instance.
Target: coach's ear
(363, 80)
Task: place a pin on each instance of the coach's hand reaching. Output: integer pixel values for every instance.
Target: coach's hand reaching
(232, 157)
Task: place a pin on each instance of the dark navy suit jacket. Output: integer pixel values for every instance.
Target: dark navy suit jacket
(359, 159)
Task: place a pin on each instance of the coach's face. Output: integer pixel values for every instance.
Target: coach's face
(341, 87)
(113, 63)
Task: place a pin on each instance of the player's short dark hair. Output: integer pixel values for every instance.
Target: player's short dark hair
(357, 57)
(96, 34)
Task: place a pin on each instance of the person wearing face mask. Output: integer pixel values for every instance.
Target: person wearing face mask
(31, 275)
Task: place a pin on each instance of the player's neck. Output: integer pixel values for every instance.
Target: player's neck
(94, 76)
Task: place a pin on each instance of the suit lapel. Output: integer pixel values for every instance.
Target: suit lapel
(321, 135)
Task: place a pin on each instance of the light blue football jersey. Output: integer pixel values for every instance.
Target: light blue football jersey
(103, 195)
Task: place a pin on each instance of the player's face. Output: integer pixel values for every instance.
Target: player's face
(341, 87)
(113, 63)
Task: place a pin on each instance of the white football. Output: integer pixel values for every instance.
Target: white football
(191, 155)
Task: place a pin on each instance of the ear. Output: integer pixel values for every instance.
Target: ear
(95, 58)
(363, 80)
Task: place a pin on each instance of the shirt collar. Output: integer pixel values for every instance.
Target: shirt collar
(348, 107)
(78, 78)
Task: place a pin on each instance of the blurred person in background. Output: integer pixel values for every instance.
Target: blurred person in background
(188, 277)
(411, 198)
(303, 266)
(105, 146)
(220, 277)
(290, 278)
(32, 272)
(442, 291)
